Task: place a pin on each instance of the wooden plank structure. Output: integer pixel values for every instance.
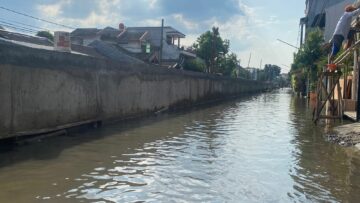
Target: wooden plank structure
(328, 81)
(327, 106)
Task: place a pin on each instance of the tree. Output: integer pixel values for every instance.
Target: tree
(211, 47)
(271, 72)
(45, 34)
(227, 65)
(308, 61)
(243, 73)
(196, 65)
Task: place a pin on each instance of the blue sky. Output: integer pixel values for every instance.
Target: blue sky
(252, 26)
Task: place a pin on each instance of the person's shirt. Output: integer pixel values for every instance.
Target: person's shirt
(344, 24)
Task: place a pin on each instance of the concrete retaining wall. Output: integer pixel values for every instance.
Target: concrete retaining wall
(43, 90)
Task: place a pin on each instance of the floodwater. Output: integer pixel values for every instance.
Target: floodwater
(261, 148)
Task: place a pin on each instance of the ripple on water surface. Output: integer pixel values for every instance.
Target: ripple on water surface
(260, 149)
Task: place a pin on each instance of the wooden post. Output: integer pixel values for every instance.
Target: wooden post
(355, 82)
(328, 103)
(357, 85)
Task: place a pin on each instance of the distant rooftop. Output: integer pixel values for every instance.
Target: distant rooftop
(25, 38)
(115, 32)
(132, 35)
(168, 30)
(85, 32)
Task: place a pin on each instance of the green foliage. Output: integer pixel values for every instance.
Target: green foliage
(271, 72)
(196, 65)
(298, 82)
(45, 34)
(211, 47)
(227, 64)
(308, 61)
(242, 73)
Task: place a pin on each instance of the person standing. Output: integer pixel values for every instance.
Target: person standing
(342, 30)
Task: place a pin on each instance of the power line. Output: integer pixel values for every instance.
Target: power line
(36, 18)
(17, 26)
(24, 24)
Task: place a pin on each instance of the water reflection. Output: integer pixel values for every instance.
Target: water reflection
(260, 149)
(321, 171)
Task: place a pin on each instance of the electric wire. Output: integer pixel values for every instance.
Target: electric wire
(17, 26)
(24, 24)
(33, 17)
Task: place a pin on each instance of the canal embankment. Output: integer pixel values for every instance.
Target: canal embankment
(346, 135)
(43, 90)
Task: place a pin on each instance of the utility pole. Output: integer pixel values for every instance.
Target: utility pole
(212, 66)
(161, 41)
(249, 61)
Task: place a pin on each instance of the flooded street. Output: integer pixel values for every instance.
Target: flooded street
(261, 148)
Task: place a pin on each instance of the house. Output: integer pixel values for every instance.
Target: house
(148, 39)
(323, 14)
(84, 36)
(141, 42)
(136, 36)
(43, 43)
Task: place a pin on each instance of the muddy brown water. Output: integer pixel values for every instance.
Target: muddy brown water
(262, 148)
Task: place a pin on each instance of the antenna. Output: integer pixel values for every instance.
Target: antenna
(287, 44)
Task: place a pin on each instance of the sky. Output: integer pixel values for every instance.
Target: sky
(252, 26)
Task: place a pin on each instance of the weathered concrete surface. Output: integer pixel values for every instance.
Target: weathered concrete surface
(42, 90)
(346, 135)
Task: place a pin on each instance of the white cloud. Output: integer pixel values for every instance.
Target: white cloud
(101, 16)
(253, 33)
(150, 22)
(152, 3)
(189, 40)
(53, 10)
(190, 25)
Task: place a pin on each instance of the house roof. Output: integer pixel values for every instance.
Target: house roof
(85, 32)
(109, 31)
(25, 38)
(168, 29)
(153, 34)
(133, 35)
